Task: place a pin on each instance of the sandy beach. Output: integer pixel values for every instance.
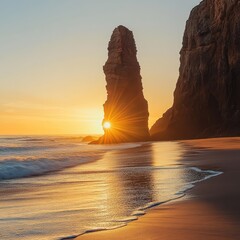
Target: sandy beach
(211, 210)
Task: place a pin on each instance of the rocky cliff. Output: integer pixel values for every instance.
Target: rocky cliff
(207, 94)
(126, 110)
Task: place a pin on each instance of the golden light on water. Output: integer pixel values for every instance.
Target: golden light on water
(107, 125)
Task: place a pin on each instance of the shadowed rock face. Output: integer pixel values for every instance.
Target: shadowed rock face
(207, 94)
(125, 109)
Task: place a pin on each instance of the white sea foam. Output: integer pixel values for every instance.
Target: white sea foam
(13, 168)
(101, 195)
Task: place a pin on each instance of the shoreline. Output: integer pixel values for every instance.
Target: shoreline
(179, 197)
(196, 217)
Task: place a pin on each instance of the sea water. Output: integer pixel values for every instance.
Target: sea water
(60, 187)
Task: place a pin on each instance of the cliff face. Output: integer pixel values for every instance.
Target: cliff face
(126, 110)
(207, 94)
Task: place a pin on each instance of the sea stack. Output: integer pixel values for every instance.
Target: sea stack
(207, 94)
(125, 110)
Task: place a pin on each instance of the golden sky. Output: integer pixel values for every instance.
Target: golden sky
(52, 53)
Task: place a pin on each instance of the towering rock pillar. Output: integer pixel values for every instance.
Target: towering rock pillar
(126, 110)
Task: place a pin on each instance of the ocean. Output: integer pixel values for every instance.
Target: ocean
(58, 187)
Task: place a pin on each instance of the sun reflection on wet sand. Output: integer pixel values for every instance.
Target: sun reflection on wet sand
(97, 195)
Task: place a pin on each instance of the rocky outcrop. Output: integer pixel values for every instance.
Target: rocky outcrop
(126, 110)
(207, 94)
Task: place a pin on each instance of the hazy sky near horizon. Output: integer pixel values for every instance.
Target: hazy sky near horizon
(52, 53)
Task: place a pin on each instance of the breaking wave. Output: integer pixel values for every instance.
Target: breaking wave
(13, 168)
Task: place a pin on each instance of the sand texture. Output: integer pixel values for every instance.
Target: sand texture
(211, 210)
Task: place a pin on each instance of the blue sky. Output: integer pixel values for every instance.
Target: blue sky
(52, 53)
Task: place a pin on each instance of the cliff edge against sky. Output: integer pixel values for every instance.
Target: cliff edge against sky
(207, 94)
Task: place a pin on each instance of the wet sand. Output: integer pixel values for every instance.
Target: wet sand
(211, 210)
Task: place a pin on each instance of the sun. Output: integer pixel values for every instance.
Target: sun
(106, 125)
